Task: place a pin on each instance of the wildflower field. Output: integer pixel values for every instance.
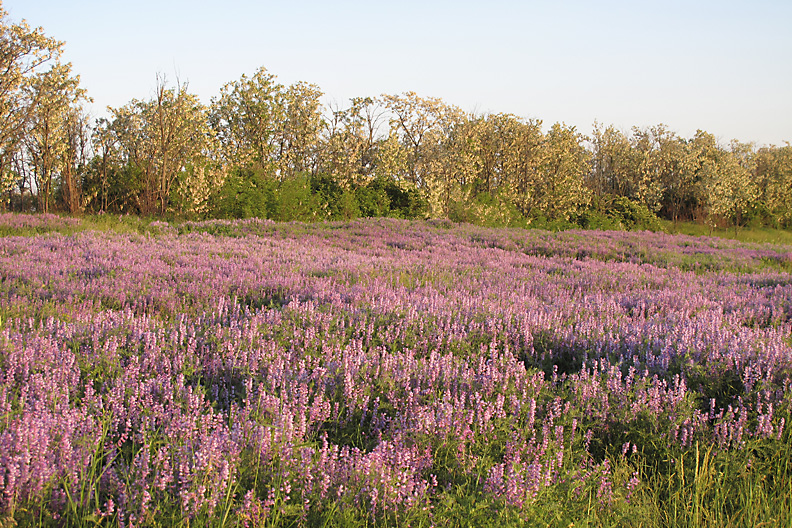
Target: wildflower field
(390, 373)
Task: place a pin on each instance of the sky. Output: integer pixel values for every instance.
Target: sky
(721, 66)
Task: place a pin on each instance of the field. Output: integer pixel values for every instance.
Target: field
(390, 373)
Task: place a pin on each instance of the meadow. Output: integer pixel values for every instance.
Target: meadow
(387, 372)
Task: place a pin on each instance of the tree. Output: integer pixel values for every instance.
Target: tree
(727, 185)
(415, 122)
(24, 53)
(104, 147)
(352, 137)
(299, 132)
(497, 145)
(159, 139)
(263, 126)
(665, 178)
(52, 142)
(247, 121)
(522, 157)
(423, 128)
(561, 192)
(112, 181)
(613, 164)
(649, 185)
(392, 161)
(74, 158)
(676, 166)
(451, 164)
(774, 181)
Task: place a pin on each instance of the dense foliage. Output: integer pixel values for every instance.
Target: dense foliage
(271, 151)
(390, 372)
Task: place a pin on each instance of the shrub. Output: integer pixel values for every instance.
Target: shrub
(246, 193)
(633, 214)
(372, 199)
(295, 201)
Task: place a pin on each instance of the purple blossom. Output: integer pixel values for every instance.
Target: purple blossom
(338, 362)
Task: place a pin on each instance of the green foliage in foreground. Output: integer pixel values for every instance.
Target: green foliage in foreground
(697, 487)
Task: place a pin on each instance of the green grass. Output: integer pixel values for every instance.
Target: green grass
(704, 488)
(107, 223)
(135, 224)
(700, 487)
(760, 235)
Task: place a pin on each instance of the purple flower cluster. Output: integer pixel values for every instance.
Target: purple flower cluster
(257, 369)
(45, 221)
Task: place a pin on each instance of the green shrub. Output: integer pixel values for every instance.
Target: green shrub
(633, 215)
(487, 209)
(404, 203)
(295, 201)
(246, 193)
(372, 199)
(595, 218)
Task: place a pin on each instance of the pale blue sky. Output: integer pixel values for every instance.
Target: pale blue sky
(722, 66)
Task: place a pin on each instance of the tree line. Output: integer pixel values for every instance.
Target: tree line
(260, 148)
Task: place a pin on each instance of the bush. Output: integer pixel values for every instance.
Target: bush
(295, 201)
(246, 193)
(594, 219)
(618, 212)
(487, 209)
(633, 215)
(372, 199)
(759, 215)
(404, 203)
(384, 197)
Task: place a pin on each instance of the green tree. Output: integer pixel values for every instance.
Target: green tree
(774, 181)
(562, 192)
(51, 143)
(247, 119)
(24, 55)
(296, 202)
(299, 132)
(103, 186)
(727, 184)
(245, 193)
(160, 138)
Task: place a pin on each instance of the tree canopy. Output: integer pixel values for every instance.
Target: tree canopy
(260, 148)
